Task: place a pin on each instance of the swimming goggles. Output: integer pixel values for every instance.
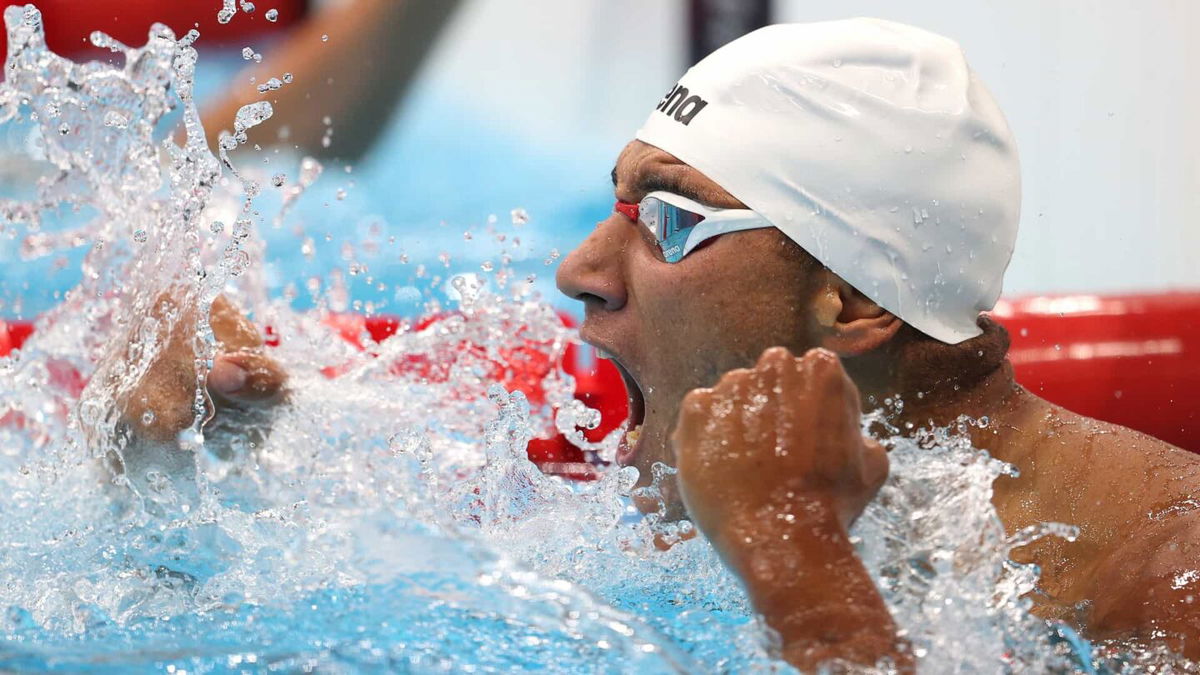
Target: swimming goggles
(680, 224)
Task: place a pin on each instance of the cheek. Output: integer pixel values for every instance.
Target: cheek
(729, 306)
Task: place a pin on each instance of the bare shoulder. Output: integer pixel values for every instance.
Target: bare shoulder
(1146, 582)
(1146, 472)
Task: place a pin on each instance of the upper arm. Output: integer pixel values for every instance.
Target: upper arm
(1149, 588)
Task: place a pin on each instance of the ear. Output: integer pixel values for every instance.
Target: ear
(848, 322)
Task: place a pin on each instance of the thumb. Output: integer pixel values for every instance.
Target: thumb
(247, 376)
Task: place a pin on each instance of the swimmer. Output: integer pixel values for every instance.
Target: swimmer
(813, 221)
(816, 215)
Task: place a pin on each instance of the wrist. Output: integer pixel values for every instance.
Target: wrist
(803, 575)
(774, 549)
(752, 531)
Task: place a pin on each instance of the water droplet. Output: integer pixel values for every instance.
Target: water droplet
(324, 38)
(251, 115)
(552, 257)
(115, 119)
(272, 15)
(287, 78)
(519, 216)
(278, 179)
(487, 266)
(217, 227)
(247, 53)
(270, 85)
(148, 417)
(340, 194)
(228, 9)
(139, 236)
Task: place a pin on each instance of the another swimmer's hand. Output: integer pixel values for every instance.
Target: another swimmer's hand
(773, 469)
(161, 405)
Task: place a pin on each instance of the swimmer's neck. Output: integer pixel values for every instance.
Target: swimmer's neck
(994, 395)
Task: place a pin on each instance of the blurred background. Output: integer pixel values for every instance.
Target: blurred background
(435, 119)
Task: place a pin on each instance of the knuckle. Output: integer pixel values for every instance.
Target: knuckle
(696, 400)
(732, 378)
(775, 355)
(825, 366)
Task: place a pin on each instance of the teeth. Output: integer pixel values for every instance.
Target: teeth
(632, 436)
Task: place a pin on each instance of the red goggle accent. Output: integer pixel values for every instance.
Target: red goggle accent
(629, 210)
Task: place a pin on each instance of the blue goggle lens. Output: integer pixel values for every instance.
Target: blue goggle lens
(670, 225)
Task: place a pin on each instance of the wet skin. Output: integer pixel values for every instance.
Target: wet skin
(242, 373)
(776, 487)
(675, 328)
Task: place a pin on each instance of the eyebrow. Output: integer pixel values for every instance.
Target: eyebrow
(656, 182)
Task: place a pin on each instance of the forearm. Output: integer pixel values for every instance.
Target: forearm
(355, 78)
(805, 578)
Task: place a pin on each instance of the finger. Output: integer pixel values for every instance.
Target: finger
(824, 371)
(875, 464)
(231, 327)
(247, 376)
(775, 356)
(693, 410)
(696, 402)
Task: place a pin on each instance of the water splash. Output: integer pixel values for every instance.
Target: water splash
(385, 518)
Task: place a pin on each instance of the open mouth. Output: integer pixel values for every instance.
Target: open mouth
(627, 447)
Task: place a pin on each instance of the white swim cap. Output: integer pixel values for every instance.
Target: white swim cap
(873, 146)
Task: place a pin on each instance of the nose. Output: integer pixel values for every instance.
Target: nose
(593, 272)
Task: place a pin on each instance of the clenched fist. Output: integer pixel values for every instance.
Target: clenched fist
(778, 441)
(773, 469)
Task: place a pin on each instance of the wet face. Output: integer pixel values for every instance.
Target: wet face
(673, 327)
